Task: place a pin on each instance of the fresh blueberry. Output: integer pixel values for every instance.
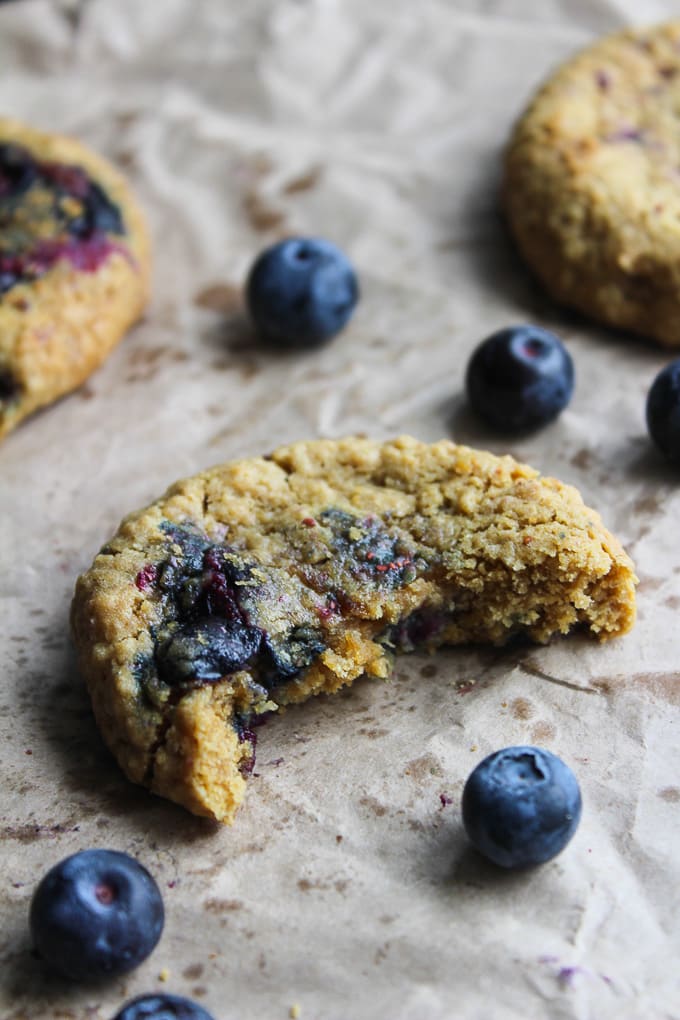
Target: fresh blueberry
(96, 914)
(663, 411)
(162, 1007)
(301, 292)
(205, 650)
(520, 378)
(521, 806)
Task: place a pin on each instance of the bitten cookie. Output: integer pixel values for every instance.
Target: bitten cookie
(592, 182)
(74, 266)
(264, 581)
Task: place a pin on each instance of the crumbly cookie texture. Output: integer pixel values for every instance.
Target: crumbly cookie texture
(261, 582)
(74, 266)
(592, 182)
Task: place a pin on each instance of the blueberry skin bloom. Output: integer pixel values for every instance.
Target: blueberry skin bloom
(663, 411)
(521, 806)
(96, 914)
(301, 292)
(520, 378)
(162, 1007)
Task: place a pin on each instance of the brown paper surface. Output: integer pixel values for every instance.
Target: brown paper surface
(346, 887)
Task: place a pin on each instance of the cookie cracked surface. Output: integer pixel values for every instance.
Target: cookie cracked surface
(74, 266)
(591, 182)
(264, 581)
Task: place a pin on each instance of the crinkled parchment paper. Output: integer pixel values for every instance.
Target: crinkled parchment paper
(346, 888)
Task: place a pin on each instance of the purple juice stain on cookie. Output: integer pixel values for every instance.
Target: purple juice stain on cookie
(418, 630)
(245, 731)
(603, 80)
(51, 212)
(626, 133)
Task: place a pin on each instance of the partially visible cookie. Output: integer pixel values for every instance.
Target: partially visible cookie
(264, 581)
(592, 182)
(74, 266)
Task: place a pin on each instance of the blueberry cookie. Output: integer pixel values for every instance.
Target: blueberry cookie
(592, 182)
(264, 581)
(74, 266)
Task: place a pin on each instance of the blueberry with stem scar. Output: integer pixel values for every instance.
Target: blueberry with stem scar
(521, 806)
(96, 914)
(520, 378)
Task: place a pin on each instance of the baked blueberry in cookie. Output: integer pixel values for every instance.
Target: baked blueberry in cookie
(264, 581)
(73, 266)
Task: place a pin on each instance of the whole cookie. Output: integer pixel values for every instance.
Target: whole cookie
(74, 266)
(592, 182)
(264, 581)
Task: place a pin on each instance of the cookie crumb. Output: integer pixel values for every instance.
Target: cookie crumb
(164, 974)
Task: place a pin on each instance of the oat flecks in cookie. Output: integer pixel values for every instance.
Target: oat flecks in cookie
(74, 266)
(592, 177)
(262, 582)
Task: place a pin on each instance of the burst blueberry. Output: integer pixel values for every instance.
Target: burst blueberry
(162, 1007)
(521, 806)
(520, 378)
(301, 292)
(99, 215)
(205, 650)
(663, 411)
(96, 914)
(17, 170)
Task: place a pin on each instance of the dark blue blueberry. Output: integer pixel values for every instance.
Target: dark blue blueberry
(17, 170)
(521, 806)
(162, 1007)
(9, 387)
(418, 630)
(8, 279)
(285, 659)
(520, 378)
(96, 914)
(206, 650)
(663, 411)
(301, 292)
(99, 215)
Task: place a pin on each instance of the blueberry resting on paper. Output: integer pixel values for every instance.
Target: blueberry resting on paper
(96, 914)
(663, 411)
(301, 292)
(162, 1007)
(521, 806)
(520, 378)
